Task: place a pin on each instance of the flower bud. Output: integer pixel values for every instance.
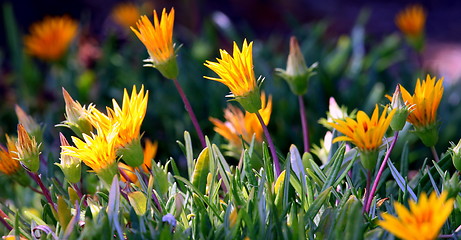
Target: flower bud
(31, 126)
(455, 152)
(75, 116)
(402, 112)
(297, 73)
(70, 166)
(452, 185)
(28, 150)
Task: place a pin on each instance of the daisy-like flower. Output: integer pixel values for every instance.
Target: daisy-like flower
(97, 152)
(158, 39)
(236, 72)
(127, 120)
(8, 164)
(426, 100)
(366, 133)
(50, 38)
(240, 125)
(411, 20)
(125, 14)
(422, 221)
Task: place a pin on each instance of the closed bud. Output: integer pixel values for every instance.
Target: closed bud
(76, 116)
(402, 110)
(31, 126)
(297, 73)
(452, 186)
(70, 166)
(27, 150)
(455, 152)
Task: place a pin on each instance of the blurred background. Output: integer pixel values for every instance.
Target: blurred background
(361, 56)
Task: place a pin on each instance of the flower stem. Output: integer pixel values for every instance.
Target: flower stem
(45, 190)
(302, 112)
(367, 189)
(4, 222)
(191, 113)
(271, 144)
(434, 153)
(380, 173)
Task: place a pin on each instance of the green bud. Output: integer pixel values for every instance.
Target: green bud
(402, 112)
(455, 152)
(70, 166)
(452, 185)
(369, 159)
(297, 73)
(132, 153)
(251, 102)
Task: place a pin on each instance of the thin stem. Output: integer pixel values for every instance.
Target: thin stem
(434, 153)
(380, 173)
(271, 144)
(4, 222)
(45, 190)
(191, 113)
(367, 190)
(302, 113)
(445, 236)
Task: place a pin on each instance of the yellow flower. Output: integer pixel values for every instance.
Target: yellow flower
(50, 38)
(158, 39)
(125, 14)
(426, 100)
(422, 221)
(97, 152)
(366, 133)
(127, 120)
(239, 124)
(8, 163)
(236, 72)
(411, 20)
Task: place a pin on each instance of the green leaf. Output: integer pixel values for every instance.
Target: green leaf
(337, 162)
(138, 201)
(317, 204)
(201, 170)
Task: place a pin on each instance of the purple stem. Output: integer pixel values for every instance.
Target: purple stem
(45, 190)
(434, 153)
(4, 222)
(191, 113)
(271, 144)
(380, 173)
(302, 112)
(367, 190)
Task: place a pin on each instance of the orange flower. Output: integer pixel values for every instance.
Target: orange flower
(125, 14)
(50, 38)
(411, 20)
(8, 163)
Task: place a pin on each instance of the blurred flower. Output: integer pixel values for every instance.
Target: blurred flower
(422, 221)
(50, 38)
(233, 217)
(8, 163)
(240, 125)
(236, 72)
(158, 39)
(89, 52)
(169, 218)
(365, 133)
(76, 115)
(411, 20)
(125, 14)
(70, 166)
(97, 152)
(127, 120)
(335, 112)
(426, 99)
(28, 150)
(31, 126)
(297, 73)
(323, 150)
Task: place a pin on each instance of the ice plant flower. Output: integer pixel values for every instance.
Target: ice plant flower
(411, 22)
(50, 38)
(28, 150)
(125, 14)
(297, 73)
(8, 164)
(76, 115)
(402, 109)
(422, 221)
(127, 120)
(366, 133)
(97, 152)
(240, 125)
(426, 99)
(158, 39)
(236, 72)
(70, 166)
